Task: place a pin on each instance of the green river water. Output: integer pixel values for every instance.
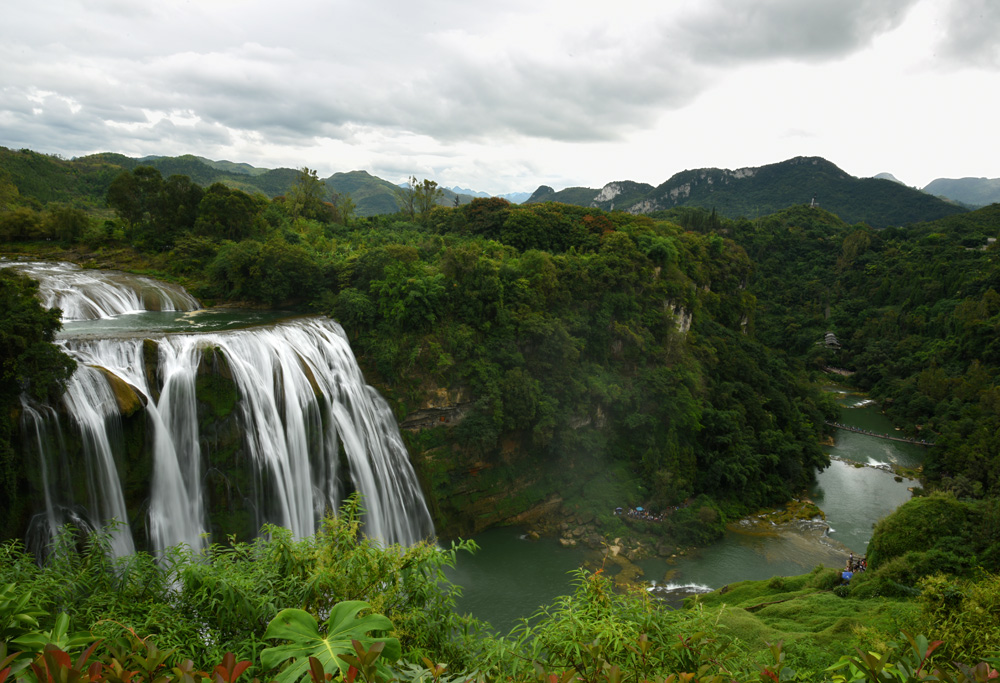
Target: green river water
(511, 576)
(175, 322)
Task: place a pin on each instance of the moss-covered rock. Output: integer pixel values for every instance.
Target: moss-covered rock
(215, 386)
(127, 397)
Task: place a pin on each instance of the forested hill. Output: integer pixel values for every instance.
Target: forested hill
(84, 181)
(760, 191)
(916, 311)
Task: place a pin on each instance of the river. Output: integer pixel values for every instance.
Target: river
(511, 576)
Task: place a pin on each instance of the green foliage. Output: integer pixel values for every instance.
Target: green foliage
(306, 642)
(32, 367)
(18, 613)
(585, 339)
(223, 600)
(272, 272)
(936, 522)
(964, 614)
(29, 362)
(305, 198)
(595, 634)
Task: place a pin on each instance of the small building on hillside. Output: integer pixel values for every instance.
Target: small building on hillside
(830, 341)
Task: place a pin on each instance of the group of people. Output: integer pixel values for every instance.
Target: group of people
(854, 565)
(643, 514)
(647, 516)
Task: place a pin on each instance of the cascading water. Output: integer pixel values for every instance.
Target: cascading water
(93, 294)
(93, 409)
(300, 399)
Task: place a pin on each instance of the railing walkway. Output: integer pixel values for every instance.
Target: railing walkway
(877, 435)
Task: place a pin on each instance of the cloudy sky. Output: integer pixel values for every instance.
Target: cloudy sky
(507, 95)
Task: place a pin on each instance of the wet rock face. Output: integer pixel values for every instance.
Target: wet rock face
(442, 407)
(129, 400)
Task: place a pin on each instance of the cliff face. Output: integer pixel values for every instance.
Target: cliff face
(468, 491)
(441, 407)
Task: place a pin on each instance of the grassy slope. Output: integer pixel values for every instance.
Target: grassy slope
(814, 623)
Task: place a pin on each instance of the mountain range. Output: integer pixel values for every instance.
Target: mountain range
(750, 192)
(975, 192)
(512, 197)
(758, 191)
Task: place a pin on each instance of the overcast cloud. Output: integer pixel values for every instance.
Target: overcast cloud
(506, 96)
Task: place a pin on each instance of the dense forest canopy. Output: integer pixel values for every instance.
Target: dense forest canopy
(606, 357)
(586, 340)
(914, 309)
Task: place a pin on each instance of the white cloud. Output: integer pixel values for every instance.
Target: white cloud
(508, 95)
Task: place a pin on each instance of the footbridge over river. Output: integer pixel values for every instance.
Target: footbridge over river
(878, 435)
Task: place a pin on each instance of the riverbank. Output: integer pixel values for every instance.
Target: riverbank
(626, 556)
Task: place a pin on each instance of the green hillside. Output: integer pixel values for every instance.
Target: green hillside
(756, 192)
(764, 190)
(577, 196)
(916, 311)
(972, 191)
(85, 180)
(42, 179)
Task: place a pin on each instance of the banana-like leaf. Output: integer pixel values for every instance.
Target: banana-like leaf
(58, 636)
(305, 641)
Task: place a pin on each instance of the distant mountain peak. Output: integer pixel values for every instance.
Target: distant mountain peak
(889, 176)
(542, 194)
(512, 197)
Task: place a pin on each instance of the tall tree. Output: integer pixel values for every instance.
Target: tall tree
(426, 196)
(135, 196)
(304, 198)
(345, 207)
(417, 199)
(406, 197)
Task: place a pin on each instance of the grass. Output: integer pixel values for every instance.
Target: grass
(815, 625)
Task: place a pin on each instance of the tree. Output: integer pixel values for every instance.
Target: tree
(417, 199)
(22, 223)
(8, 192)
(304, 198)
(66, 223)
(133, 195)
(406, 197)
(345, 207)
(30, 364)
(178, 209)
(425, 197)
(29, 361)
(225, 213)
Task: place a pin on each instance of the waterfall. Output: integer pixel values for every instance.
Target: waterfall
(94, 294)
(301, 396)
(94, 412)
(310, 428)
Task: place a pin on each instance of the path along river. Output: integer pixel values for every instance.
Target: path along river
(510, 577)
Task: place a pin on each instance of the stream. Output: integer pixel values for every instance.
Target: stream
(511, 576)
